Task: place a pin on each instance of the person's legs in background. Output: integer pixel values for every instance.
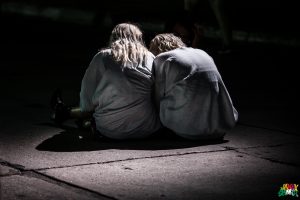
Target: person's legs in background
(222, 17)
(219, 10)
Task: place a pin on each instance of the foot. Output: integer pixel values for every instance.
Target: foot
(61, 112)
(55, 99)
(84, 124)
(89, 126)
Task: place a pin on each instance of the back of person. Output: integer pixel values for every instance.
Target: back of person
(117, 86)
(192, 97)
(122, 99)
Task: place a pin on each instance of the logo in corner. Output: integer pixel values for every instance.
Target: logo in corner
(288, 189)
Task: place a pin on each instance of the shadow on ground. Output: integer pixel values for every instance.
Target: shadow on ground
(73, 139)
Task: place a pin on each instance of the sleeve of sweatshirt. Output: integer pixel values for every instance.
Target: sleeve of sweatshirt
(90, 82)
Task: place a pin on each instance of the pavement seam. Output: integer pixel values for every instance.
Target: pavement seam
(129, 159)
(269, 129)
(23, 169)
(269, 159)
(262, 146)
(265, 158)
(14, 166)
(10, 174)
(226, 148)
(41, 176)
(65, 184)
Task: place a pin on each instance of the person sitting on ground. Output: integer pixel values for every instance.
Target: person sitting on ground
(189, 92)
(116, 88)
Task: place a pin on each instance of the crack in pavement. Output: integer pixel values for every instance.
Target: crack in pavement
(130, 159)
(269, 129)
(16, 167)
(65, 184)
(269, 159)
(55, 181)
(261, 146)
(266, 158)
(22, 169)
(226, 148)
(10, 174)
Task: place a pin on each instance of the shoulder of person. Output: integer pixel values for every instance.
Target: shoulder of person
(164, 55)
(104, 52)
(150, 55)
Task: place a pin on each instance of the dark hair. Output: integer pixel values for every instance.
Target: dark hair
(165, 42)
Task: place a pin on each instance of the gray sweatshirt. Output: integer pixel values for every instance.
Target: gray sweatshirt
(120, 97)
(190, 94)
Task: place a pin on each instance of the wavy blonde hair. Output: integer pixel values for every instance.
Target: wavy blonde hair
(128, 53)
(126, 31)
(165, 42)
(127, 46)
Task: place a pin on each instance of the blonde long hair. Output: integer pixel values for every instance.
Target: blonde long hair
(165, 42)
(127, 46)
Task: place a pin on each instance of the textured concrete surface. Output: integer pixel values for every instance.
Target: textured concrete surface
(213, 175)
(5, 170)
(33, 188)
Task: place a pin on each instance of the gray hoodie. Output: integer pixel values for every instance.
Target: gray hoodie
(120, 97)
(190, 94)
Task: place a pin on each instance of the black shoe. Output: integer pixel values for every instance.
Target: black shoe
(61, 112)
(55, 99)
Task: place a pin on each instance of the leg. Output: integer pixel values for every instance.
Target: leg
(76, 113)
(83, 119)
(223, 21)
(62, 112)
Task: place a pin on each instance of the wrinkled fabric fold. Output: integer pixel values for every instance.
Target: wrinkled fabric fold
(120, 97)
(191, 95)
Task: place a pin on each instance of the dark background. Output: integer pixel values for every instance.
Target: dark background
(63, 35)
